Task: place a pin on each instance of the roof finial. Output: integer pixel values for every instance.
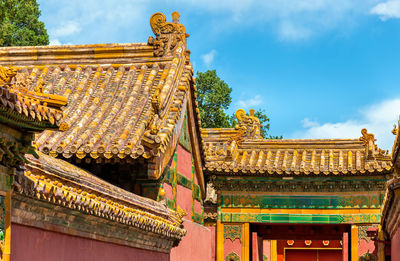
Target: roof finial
(249, 125)
(175, 17)
(168, 35)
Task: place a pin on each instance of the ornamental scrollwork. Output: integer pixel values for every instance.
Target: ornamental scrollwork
(233, 232)
(168, 34)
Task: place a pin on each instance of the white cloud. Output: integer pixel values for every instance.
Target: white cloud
(291, 20)
(95, 21)
(387, 10)
(208, 58)
(249, 103)
(66, 29)
(377, 118)
(54, 42)
(98, 21)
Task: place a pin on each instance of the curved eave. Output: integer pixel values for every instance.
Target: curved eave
(18, 120)
(64, 184)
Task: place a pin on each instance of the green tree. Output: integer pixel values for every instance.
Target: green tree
(20, 25)
(214, 97)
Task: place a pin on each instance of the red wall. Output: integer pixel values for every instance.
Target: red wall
(395, 246)
(28, 243)
(196, 245)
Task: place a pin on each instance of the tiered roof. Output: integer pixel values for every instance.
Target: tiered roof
(242, 151)
(125, 101)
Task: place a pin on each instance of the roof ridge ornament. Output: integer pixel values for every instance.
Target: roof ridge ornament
(7, 74)
(248, 125)
(168, 34)
(372, 150)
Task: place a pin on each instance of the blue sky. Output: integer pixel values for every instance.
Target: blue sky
(320, 68)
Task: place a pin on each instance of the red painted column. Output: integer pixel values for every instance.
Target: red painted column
(345, 244)
(254, 242)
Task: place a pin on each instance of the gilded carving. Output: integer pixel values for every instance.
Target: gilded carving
(168, 34)
(181, 213)
(150, 138)
(371, 148)
(7, 74)
(248, 125)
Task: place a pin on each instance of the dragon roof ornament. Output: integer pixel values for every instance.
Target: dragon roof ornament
(168, 34)
(248, 125)
(371, 148)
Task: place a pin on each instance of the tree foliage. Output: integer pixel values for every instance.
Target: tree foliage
(20, 25)
(214, 98)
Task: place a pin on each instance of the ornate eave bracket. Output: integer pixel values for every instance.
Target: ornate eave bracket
(168, 34)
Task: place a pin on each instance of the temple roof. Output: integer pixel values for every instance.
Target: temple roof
(242, 151)
(125, 101)
(57, 181)
(31, 110)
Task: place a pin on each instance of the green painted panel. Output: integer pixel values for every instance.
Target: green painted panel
(373, 200)
(184, 138)
(301, 218)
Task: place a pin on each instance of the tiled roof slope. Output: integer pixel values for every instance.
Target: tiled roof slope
(125, 101)
(62, 183)
(31, 110)
(242, 151)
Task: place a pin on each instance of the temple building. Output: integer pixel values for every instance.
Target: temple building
(102, 158)
(118, 173)
(293, 199)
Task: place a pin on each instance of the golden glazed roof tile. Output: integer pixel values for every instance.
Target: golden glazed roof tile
(32, 109)
(61, 183)
(124, 100)
(242, 151)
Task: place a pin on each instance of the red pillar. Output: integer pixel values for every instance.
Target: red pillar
(345, 248)
(257, 247)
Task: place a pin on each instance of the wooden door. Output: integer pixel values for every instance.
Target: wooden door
(330, 255)
(301, 255)
(313, 255)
